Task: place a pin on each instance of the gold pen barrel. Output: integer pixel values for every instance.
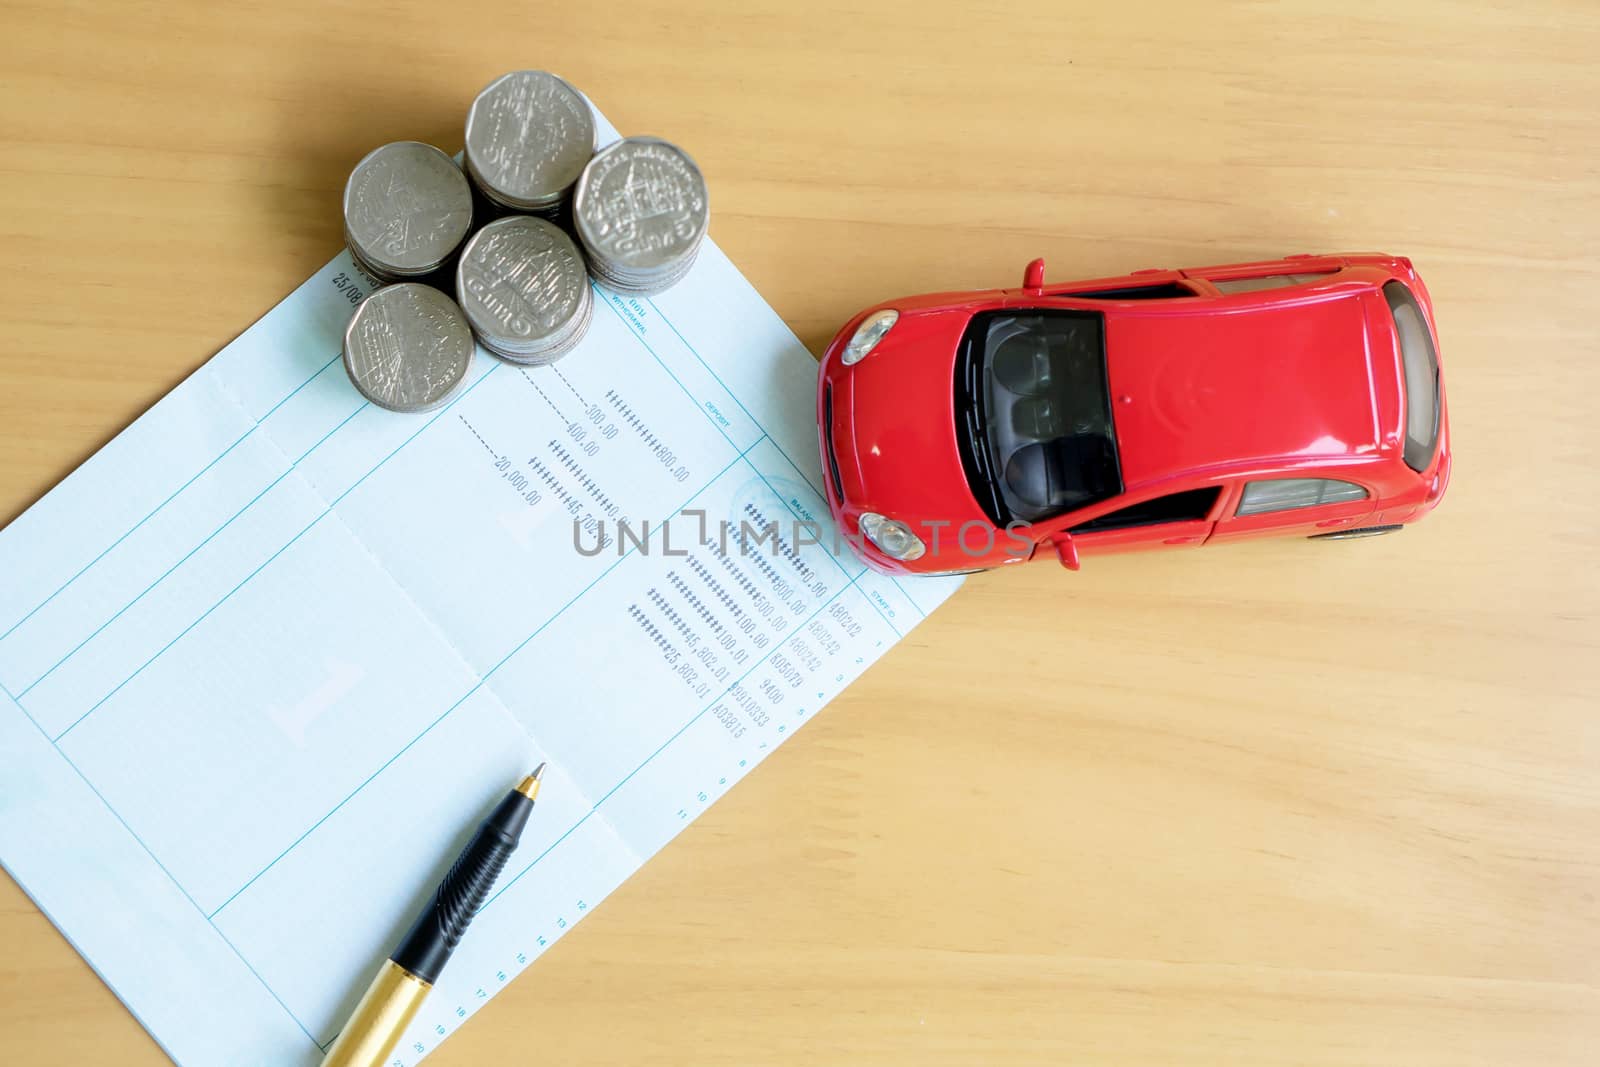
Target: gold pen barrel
(374, 1028)
(396, 994)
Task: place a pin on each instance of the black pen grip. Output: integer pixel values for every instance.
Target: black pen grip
(434, 936)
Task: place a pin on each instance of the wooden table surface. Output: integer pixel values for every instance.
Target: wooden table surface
(1273, 803)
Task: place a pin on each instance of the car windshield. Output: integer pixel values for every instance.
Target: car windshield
(1034, 414)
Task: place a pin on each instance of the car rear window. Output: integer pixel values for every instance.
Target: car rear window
(1421, 364)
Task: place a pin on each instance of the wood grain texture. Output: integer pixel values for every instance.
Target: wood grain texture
(1275, 803)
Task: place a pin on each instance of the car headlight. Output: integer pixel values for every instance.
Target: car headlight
(894, 539)
(867, 336)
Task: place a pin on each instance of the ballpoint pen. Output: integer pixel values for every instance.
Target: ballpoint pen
(402, 983)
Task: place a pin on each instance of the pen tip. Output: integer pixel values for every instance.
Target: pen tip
(529, 786)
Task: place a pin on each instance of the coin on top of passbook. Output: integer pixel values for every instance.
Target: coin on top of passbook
(408, 348)
(407, 207)
(529, 134)
(524, 289)
(641, 210)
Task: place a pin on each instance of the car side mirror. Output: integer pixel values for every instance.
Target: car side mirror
(1066, 549)
(1033, 277)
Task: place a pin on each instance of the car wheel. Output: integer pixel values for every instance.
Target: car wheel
(1361, 531)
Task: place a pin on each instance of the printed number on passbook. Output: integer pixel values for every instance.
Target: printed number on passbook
(351, 289)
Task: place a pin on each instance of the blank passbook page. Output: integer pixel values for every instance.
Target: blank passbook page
(268, 657)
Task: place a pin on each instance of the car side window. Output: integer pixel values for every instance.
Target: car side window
(1270, 281)
(1160, 291)
(1187, 506)
(1286, 494)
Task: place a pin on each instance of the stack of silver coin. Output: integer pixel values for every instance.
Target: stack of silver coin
(407, 208)
(523, 287)
(408, 348)
(641, 211)
(529, 135)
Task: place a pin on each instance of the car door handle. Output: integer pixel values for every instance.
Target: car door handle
(1192, 539)
(1337, 522)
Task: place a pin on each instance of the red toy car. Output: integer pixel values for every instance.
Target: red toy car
(961, 431)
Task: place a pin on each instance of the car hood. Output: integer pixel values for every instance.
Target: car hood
(895, 425)
(1198, 389)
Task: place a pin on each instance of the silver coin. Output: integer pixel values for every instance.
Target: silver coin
(407, 206)
(408, 348)
(523, 287)
(623, 281)
(528, 136)
(555, 350)
(641, 210)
